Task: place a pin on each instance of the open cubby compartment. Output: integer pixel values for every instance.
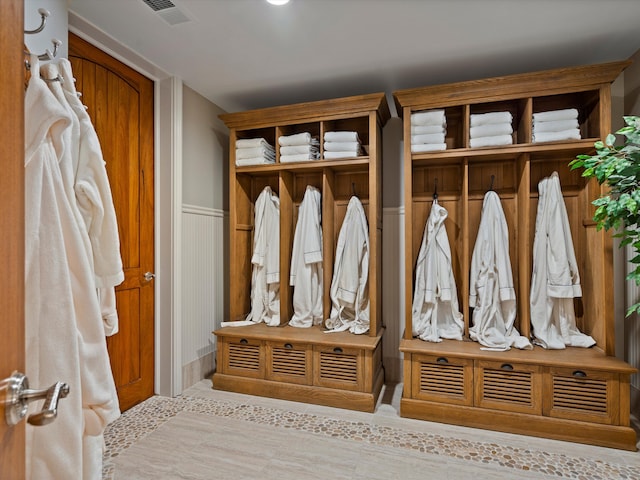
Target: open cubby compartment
(517, 107)
(593, 309)
(268, 133)
(350, 124)
(455, 126)
(313, 128)
(247, 190)
(586, 102)
(450, 179)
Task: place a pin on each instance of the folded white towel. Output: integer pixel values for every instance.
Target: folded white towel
(421, 129)
(298, 157)
(571, 134)
(244, 162)
(303, 138)
(335, 155)
(252, 143)
(490, 130)
(555, 125)
(427, 138)
(490, 141)
(255, 152)
(298, 149)
(429, 117)
(341, 146)
(491, 117)
(564, 114)
(428, 147)
(341, 136)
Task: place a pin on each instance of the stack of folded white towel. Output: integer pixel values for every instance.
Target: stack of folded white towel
(489, 129)
(299, 147)
(341, 144)
(254, 151)
(556, 125)
(428, 131)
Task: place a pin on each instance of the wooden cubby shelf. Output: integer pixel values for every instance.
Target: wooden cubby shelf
(305, 364)
(575, 394)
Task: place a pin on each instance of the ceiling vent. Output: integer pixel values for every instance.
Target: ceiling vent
(168, 11)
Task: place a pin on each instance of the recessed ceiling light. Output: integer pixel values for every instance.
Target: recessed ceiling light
(278, 2)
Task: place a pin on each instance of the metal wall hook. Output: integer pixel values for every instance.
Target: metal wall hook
(493, 177)
(44, 13)
(48, 54)
(435, 189)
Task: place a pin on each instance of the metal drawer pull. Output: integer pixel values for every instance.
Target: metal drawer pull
(337, 350)
(506, 366)
(442, 360)
(288, 346)
(579, 374)
(244, 341)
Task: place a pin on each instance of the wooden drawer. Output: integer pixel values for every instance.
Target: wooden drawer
(338, 367)
(508, 386)
(442, 378)
(243, 357)
(289, 362)
(585, 395)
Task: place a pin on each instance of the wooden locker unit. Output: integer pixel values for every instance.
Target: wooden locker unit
(305, 364)
(574, 394)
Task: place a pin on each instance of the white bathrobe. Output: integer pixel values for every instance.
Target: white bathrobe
(435, 313)
(491, 292)
(64, 335)
(555, 280)
(265, 276)
(306, 262)
(350, 284)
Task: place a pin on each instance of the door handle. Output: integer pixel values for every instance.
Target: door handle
(149, 276)
(18, 395)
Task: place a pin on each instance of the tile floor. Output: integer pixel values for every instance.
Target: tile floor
(210, 434)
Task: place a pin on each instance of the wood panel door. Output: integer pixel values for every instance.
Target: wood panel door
(120, 104)
(12, 354)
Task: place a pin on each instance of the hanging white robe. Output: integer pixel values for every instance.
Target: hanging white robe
(265, 275)
(555, 280)
(435, 313)
(350, 283)
(306, 262)
(64, 335)
(491, 292)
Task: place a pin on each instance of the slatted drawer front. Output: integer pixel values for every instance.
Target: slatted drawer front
(583, 395)
(289, 362)
(442, 379)
(338, 367)
(243, 357)
(508, 386)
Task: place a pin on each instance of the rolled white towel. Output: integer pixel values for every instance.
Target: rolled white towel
(427, 138)
(336, 155)
(428, 147)
(255, 152)
(298, 149)
(490, 141)
(571, 134)
(341, 136)
(563, 114)
(491, 117)
(422, 129)
(244, 162)
(429, 117)
(490, 130)
(303, 138)
(341, 146)
(555, 125)
(252, 143)
(298, 157)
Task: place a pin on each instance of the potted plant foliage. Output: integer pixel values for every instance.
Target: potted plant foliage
(618, 167)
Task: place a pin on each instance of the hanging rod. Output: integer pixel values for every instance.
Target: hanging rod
(44, 13)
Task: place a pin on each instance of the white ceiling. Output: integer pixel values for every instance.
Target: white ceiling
(246, 54)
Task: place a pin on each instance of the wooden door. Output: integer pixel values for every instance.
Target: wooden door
(12, 355)
(120, 104)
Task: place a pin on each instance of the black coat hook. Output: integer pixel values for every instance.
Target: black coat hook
(353, 189)
(435, 189)
(493, 177)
